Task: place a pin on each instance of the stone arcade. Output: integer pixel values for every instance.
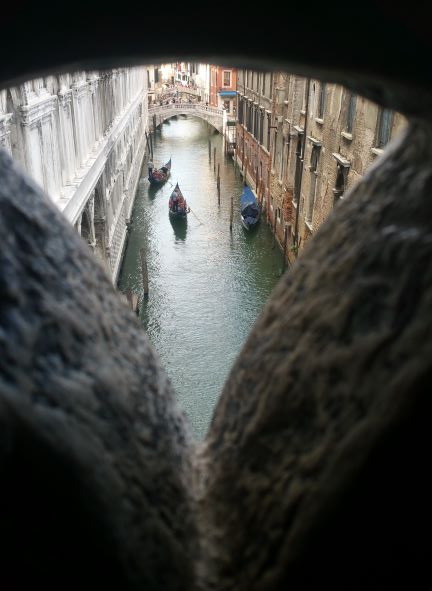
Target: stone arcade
(81, 137)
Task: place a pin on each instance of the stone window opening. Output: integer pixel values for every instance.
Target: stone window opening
(314, 161)
(226, 78)
(261, 130)
(321, 100)
(340, 184)
(384, 125)
(351, 112)
(298, 166)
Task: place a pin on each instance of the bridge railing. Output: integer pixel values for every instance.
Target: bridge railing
(186, 107)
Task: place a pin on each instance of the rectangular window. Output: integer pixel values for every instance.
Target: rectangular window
(268, 132)
(275, 139)
(313, 182)
(278, 214)
(340, 184)
(304, 97)
(261, 130)
(321, 100)
(282, 160)
(227, 78)
(351, 112)
(299, 161)
(385, 120)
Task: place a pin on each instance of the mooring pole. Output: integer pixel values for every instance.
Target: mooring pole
(144, 271)
(285, 245)
(274, 227)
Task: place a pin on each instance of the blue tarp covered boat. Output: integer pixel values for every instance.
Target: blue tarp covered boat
(249, 209)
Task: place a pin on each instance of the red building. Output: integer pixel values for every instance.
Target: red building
(223, 88)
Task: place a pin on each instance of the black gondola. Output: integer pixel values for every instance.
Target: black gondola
(249, 209)
(178, 207)
(158, 176)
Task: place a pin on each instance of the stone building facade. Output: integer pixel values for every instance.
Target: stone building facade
(223, 87)
(81, 137)
(318, 140)
(254, 114)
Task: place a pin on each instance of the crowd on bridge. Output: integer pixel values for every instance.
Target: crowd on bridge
(172, 93)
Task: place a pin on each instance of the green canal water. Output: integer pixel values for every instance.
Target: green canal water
(207, 286)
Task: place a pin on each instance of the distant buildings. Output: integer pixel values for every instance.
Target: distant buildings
(223, 87)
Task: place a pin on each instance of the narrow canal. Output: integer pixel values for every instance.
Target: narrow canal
(206, 285)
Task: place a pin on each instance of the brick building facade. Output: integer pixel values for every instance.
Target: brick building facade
(302, 144)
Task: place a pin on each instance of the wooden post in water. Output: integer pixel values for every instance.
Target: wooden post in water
(151, 145)
(218, 176)
(144, 271)
(214, 159)
(284, 246)
(154, 123)
(209, 146)
(129, 297)
(274, 227)
(232, 212)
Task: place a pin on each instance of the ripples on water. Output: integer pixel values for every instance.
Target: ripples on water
(206, 286)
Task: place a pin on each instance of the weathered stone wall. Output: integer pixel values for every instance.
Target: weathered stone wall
(95, 457)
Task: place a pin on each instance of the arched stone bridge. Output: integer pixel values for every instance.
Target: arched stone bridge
(159, 114)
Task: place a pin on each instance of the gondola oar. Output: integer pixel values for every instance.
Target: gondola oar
(190, 209)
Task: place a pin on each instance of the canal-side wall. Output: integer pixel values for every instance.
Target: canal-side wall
(261, 194)
(81, 138)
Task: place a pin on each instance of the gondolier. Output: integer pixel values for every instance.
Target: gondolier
(177, 204)
(150, 167)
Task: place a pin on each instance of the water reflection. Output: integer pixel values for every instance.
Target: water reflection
(179, 225)
(152, 190)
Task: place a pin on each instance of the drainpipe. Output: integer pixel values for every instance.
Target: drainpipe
(299, 184)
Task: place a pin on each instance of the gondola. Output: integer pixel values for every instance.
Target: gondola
(249, 209)
(178, 208)
(158, 176)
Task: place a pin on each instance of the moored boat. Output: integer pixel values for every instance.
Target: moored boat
(249, 209)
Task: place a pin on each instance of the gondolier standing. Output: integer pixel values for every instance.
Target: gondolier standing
(150, 167)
